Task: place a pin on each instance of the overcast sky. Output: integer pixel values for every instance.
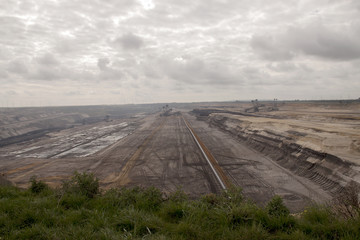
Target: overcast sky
(77, 52)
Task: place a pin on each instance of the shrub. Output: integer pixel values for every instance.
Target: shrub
(233, 195)
(142, 213)
(35, 232)
(317, 215)
(73, 201)
(285, 224)
(275, 217)
(187, 231)
(37, 186)
(150, 199)
(82, 183)
(277, 208)
(216, 217)
(255, 232)
(347, 203)
(295, 235)
(243, 215)
(72, 217)
(319, 222)
(178, 196)
(137, 222)
(140, 198)
(9, 192)
(212, 200)
(173, 211)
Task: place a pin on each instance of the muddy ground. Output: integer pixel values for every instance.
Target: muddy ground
(266, 153)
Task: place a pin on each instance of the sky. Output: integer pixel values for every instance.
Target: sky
(86, 52)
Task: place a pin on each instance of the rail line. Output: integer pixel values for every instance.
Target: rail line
(217, 170)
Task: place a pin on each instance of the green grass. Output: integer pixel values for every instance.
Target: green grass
(79, 211)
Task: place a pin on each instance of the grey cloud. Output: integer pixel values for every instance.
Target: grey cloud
(43, 68)
(187, 70)
(282, 66)
(18, 67)
(116, 92)
(65, 46)
(67, 12)
(198, 13)
(221, 45)
(48, 59)
(271, 48)
(178, 87)
(61, 73)
(151, 72)
(214, 11)
(11, 28)
(29, 5)
(313, 39)
(250, 70)
(3, 74)
(255, 76)
(11, 92)
(320, 41)
(103, 63)
(5, 54)
(47, 74)
(196, 71)
(72, 93)
(108, 71)
(129, 41)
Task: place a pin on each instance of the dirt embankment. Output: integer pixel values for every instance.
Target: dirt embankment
(327, 170)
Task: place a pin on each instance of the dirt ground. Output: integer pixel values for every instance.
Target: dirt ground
(154, 150)
(160, 152)
(260, 177)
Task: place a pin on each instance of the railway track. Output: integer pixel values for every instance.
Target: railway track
(220, 175)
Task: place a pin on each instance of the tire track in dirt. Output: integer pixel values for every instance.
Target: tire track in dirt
(177, 147)
(123, 177)
(28, 166)
(16, 179)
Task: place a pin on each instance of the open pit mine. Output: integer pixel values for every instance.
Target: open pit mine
(305, 151)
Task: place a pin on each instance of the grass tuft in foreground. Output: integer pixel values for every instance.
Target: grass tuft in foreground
(79, 211)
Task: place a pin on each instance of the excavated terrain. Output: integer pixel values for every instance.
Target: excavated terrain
(317, 141)
(303, 151)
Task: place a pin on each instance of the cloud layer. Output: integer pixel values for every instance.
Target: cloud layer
(125, 51)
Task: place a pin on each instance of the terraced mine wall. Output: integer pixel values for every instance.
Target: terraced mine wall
(23, 124)
(27, 136)
(326, 170)
(17, 133)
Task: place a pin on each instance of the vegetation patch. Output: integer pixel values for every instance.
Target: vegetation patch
(78, 210)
